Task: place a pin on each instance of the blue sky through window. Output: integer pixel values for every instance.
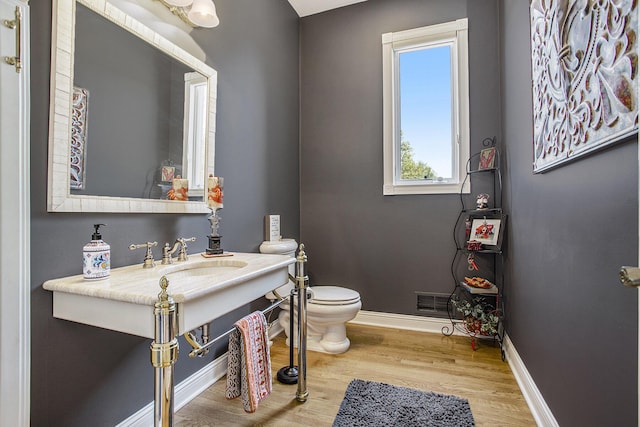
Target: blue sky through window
(425, 106)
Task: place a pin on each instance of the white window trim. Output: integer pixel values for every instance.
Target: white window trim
(391, 44)
(194, 135)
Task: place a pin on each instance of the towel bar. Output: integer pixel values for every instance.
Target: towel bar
(199, 349)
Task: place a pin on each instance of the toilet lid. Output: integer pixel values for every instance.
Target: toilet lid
(333, 295)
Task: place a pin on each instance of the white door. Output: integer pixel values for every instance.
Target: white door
(14, 214)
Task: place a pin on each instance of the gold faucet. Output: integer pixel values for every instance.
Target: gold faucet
(168, 250)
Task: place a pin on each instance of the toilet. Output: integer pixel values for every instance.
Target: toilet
(328, 309)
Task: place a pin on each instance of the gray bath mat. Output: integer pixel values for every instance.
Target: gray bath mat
(368, 403)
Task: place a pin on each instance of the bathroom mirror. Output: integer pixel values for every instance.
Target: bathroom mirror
(118, 89)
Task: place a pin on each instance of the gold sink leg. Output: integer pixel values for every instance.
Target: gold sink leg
(164, 354)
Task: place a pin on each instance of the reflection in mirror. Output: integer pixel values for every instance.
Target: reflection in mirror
(195, 128)
(133, 124)
(142, 114)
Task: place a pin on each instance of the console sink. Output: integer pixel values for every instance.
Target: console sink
(203, 289)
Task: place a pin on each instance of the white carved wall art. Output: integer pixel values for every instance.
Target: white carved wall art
(585, 76)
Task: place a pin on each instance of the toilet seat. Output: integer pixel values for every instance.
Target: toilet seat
(333, 295)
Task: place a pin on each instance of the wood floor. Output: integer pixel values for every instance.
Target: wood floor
(424, 361)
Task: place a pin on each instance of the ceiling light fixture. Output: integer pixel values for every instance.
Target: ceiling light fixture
(196, 13)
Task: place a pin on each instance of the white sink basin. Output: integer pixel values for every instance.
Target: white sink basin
(206, 268)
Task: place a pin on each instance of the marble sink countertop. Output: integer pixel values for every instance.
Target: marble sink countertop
(137, 285)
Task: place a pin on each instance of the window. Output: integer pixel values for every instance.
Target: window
(426, 109)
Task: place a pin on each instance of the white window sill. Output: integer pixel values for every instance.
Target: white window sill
(432, 188)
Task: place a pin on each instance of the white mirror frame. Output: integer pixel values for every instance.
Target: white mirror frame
(59, 197)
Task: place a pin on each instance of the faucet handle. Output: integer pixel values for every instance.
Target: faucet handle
(148, 257)
(182, 255)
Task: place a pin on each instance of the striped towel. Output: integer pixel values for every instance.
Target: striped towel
(249, 364)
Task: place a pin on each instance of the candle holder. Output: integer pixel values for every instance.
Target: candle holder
(215, 195)
(214, 238)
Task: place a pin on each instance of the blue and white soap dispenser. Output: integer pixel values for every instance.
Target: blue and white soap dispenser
(96, 257)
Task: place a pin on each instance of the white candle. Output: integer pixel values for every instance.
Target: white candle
(215, 192)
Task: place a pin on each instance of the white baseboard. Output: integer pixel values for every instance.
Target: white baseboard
(539, 408)
(275, 329)
(186, 391)
(402, 321)
(207, 376)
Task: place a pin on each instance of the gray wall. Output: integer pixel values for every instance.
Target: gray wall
(385, 247)
(88, 376)
(572, 322)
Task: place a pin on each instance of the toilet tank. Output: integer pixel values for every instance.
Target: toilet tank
(281, 247)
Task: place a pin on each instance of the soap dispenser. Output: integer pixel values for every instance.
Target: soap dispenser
(96, 257)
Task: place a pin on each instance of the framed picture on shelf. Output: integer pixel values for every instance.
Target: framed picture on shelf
(487, 159)
(168, 173)
(488, 231)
